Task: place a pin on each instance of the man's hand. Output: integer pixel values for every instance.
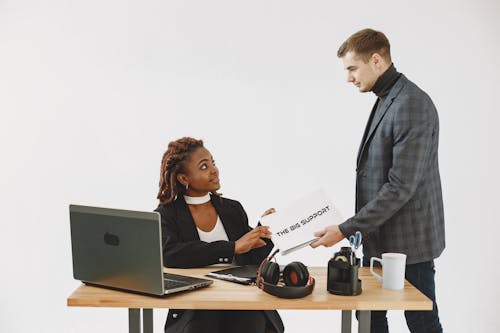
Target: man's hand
(329, 236)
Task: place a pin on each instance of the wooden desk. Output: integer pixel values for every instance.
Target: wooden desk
(223, 295)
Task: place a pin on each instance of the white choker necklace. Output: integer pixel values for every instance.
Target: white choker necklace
(197, 200)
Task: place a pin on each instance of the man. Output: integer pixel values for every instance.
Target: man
(399, 206)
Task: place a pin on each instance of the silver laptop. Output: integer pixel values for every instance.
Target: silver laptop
(122, 249)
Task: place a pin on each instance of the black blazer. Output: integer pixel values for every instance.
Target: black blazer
(182, 248)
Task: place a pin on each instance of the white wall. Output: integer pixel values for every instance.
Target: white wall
(92, 91)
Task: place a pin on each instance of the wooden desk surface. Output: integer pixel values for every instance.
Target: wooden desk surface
(226, 295)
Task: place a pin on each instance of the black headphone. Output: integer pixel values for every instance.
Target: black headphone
(295, 277)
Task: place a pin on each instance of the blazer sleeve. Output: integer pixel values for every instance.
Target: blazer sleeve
(414, 127)
(180, 252)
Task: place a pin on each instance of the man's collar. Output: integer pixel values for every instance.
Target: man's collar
(385, 82)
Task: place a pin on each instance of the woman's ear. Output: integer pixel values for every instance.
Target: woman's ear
(183, 179)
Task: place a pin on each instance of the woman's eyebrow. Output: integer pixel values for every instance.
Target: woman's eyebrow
(202, 160)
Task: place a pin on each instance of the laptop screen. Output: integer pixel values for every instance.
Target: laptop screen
(117, 248)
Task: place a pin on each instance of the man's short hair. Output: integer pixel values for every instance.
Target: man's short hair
(365, 43)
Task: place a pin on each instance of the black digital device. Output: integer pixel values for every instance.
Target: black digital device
(246, 274)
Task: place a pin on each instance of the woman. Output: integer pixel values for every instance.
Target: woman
(201, 228)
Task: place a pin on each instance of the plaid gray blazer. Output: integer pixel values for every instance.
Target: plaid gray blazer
(399, 205)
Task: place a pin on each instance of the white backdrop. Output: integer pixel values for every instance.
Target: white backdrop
(91, 92)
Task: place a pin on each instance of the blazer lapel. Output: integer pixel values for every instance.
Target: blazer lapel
(187, 225)
(365, 133)
(378, 117)
(226, 216)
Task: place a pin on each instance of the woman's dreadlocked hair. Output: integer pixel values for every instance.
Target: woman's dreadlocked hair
(171, 164)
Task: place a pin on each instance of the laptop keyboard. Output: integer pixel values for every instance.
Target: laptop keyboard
(173, 281)
(171, 284)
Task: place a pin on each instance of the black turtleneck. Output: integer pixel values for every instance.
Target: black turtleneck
(381, 88)
(385, 82)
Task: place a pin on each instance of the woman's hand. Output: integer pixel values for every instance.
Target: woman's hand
(269, 211)
(252, 240)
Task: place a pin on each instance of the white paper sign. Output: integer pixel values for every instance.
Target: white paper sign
(293, 227)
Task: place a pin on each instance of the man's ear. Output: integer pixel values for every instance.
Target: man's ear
(378, 63)
(376, 59)
(182, 178)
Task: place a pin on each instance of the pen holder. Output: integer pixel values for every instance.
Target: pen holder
(342, 278)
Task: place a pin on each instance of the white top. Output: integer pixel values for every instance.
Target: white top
(218, 233)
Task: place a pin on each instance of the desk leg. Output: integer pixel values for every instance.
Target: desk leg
(346, 323)
(364, 321)
(147, 320)
(134, 320)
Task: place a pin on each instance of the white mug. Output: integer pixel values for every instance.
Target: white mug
(393, 270)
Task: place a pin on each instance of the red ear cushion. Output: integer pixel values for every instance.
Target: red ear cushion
(270, 272)
(295, 274)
